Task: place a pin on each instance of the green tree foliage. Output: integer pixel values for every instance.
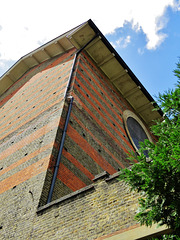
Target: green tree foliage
(158, 177)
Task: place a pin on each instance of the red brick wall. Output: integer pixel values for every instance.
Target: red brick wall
(96, 139)
(30, 115)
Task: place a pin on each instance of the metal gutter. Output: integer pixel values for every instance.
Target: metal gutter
(56, 168)
(74, 62)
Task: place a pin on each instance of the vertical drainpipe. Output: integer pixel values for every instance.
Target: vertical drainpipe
(56, 167)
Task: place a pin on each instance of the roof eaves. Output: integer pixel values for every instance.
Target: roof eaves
(124, 65)
(47, 51)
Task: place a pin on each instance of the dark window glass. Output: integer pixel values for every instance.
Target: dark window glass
(136, 132)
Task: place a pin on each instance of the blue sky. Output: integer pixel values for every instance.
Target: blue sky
(146, 34)
(153, 67)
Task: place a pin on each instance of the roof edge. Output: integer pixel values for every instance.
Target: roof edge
(9, 77)
(124, 65)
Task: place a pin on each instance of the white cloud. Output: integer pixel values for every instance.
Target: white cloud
(2, 64)
(27, 24)
(140, 51)
(122, 42)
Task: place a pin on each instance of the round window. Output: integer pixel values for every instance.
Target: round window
(136, 130)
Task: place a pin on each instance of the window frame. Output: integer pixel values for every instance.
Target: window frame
(126, 115)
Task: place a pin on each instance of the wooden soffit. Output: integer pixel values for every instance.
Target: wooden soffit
(104, 55)
(120, 75)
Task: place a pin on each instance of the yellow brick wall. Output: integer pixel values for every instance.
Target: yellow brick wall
(104, 209)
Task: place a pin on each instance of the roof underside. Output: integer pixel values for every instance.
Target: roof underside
(104, 55)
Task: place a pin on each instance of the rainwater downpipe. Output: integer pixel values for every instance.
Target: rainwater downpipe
(56, 167)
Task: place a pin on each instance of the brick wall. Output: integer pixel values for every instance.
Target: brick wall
(33, 113)
(96, 139)
(103, 209)
(30, 114)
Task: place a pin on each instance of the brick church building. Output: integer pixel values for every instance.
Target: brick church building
(71, 112)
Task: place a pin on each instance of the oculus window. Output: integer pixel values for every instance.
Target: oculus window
(135, 129)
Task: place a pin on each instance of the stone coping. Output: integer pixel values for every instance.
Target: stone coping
(66, 197)
(104, 175)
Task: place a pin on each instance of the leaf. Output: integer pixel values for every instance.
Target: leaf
(159, 178)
